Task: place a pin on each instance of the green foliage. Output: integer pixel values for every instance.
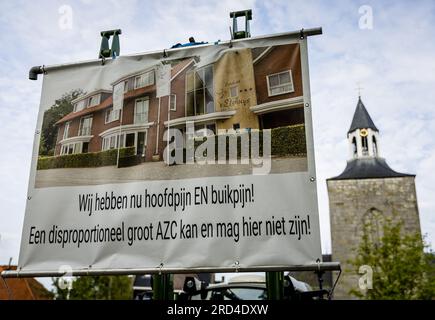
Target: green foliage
(61, 108)
(43, 146)
(84, 160)
(289, 141)
(95, 288)
(401, 268)
(129, 160)
(286, 141)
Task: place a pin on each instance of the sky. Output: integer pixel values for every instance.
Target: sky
(384, 47)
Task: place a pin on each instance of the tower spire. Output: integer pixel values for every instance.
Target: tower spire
(365, 160)
(361, 118)
(363, 135)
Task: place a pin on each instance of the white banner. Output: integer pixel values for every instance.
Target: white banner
(106, 195)
(118, 96)
(163, 80)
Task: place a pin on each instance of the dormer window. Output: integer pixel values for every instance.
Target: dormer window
(87, 103)
(79, 106)
(111, 115)
(93, 101)
(143, 80)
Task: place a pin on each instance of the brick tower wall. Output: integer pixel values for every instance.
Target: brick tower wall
(349, 201)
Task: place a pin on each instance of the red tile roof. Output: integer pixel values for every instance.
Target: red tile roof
(178, 67)
(107, 103)
(22, 289)
(130, 94)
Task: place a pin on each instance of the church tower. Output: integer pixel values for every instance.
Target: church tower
(366, 188)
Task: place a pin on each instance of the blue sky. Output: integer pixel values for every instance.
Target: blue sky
(394, 62)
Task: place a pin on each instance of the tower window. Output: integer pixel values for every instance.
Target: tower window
(365, 147)
(375, 147)
(373, 222)
(354, 148)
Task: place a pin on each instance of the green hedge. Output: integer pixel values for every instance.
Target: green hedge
(84, 160)
(289, 141)
(286, 141)
(130, 161)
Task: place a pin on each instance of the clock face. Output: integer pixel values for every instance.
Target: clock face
(363, 133)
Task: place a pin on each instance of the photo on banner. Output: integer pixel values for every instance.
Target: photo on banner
(258, 88)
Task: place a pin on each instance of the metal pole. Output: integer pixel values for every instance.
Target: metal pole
(275, 285)
(163, 287)
(158, 287)
(326, 266)
(170, 287)
(34, 71)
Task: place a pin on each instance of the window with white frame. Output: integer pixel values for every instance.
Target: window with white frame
(143, 80)
(280, 83)
(85, 126)
(77, 147)
(125, 86)
(173, 102)
(112, 115)
(71, 148)
(64, 150)
(79, 106)
(234, 91)
(141, 111)
(93, 101)
(113, 141)
(66, 130)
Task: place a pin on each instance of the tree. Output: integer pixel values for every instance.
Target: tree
(60, 108)
(95, 288)
(401, 268)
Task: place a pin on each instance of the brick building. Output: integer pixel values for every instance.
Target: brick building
(244, 89)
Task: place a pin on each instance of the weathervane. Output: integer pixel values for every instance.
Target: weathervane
(359, 88)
